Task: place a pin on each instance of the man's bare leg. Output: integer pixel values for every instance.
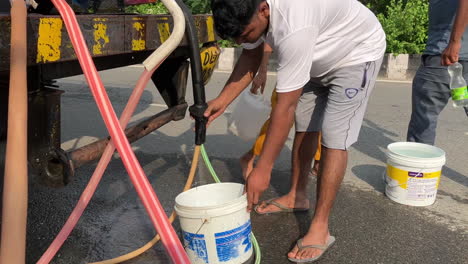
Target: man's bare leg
(304, 148)
(332, 169)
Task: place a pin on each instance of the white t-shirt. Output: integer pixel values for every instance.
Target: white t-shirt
(313, 37)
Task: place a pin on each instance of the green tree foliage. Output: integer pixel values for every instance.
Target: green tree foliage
(151, 9)
(199, 6)
(377, 6)
(157, 8)
(405, 24)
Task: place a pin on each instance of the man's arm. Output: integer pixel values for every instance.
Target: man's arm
(242, 75)
(450, 54)
(282, 118)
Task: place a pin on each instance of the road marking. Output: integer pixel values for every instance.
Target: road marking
(225, 71)
(158, 105)
(393, 81)
(273, 73)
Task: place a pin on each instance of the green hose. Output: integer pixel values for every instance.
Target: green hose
(258, 253)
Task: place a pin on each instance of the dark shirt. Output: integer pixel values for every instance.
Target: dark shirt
(441, 17)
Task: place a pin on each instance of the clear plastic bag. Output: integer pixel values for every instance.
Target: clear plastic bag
(248, 116)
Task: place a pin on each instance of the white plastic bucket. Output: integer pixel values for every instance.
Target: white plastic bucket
(215, 223)
(413, 173)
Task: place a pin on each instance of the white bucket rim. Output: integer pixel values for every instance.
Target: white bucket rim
(179, 205)
(437, 161)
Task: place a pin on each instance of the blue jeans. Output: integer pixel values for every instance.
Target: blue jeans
(431, 93)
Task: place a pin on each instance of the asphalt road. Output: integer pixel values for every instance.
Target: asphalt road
(368, 226)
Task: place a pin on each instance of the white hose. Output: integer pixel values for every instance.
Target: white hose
(171, 44)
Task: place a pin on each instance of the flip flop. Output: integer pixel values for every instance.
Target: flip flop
(283, 209)
(300, 246)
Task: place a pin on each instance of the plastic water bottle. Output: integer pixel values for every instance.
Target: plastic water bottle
(250, 112)
(458, 87)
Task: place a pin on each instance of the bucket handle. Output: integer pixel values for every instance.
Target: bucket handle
(198, 231)
(384, 178)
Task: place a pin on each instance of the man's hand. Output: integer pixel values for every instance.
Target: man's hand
(215, 108)
(240, 78)
(450, 54)
(257, 182)
(259, 81)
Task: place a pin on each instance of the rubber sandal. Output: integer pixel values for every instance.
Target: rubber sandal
(283, 209)
(300, 246)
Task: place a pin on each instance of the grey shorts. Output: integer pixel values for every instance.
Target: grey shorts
(336, 102)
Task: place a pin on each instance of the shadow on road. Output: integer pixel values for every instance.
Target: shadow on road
(372, 174)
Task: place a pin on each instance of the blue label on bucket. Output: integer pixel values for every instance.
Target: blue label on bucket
(197, 244)
(231, 243)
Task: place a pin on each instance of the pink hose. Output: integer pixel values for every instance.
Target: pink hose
(137, 175)
(98, 172)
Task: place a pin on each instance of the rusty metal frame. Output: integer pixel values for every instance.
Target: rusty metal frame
(114, 41)
(106, 35)
(93, 151)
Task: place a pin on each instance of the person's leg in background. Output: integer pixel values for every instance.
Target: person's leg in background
(304, 146)
(430, 95)
(315, 167)
(248, 159)
(309, 115)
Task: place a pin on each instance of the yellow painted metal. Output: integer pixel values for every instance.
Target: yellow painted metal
(209, 57)
(100, 35)
(210, 28)
(164, 30)
(139, 43)
(106, 35)
(49, 40)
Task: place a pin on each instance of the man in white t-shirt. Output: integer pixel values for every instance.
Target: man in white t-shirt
(329, 54)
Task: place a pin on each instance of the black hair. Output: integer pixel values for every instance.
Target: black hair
(232, 16)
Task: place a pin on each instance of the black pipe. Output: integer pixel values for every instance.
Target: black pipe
(198, 109)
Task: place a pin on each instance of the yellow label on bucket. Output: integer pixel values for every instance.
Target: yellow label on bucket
(417, 186)
(402, 176)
